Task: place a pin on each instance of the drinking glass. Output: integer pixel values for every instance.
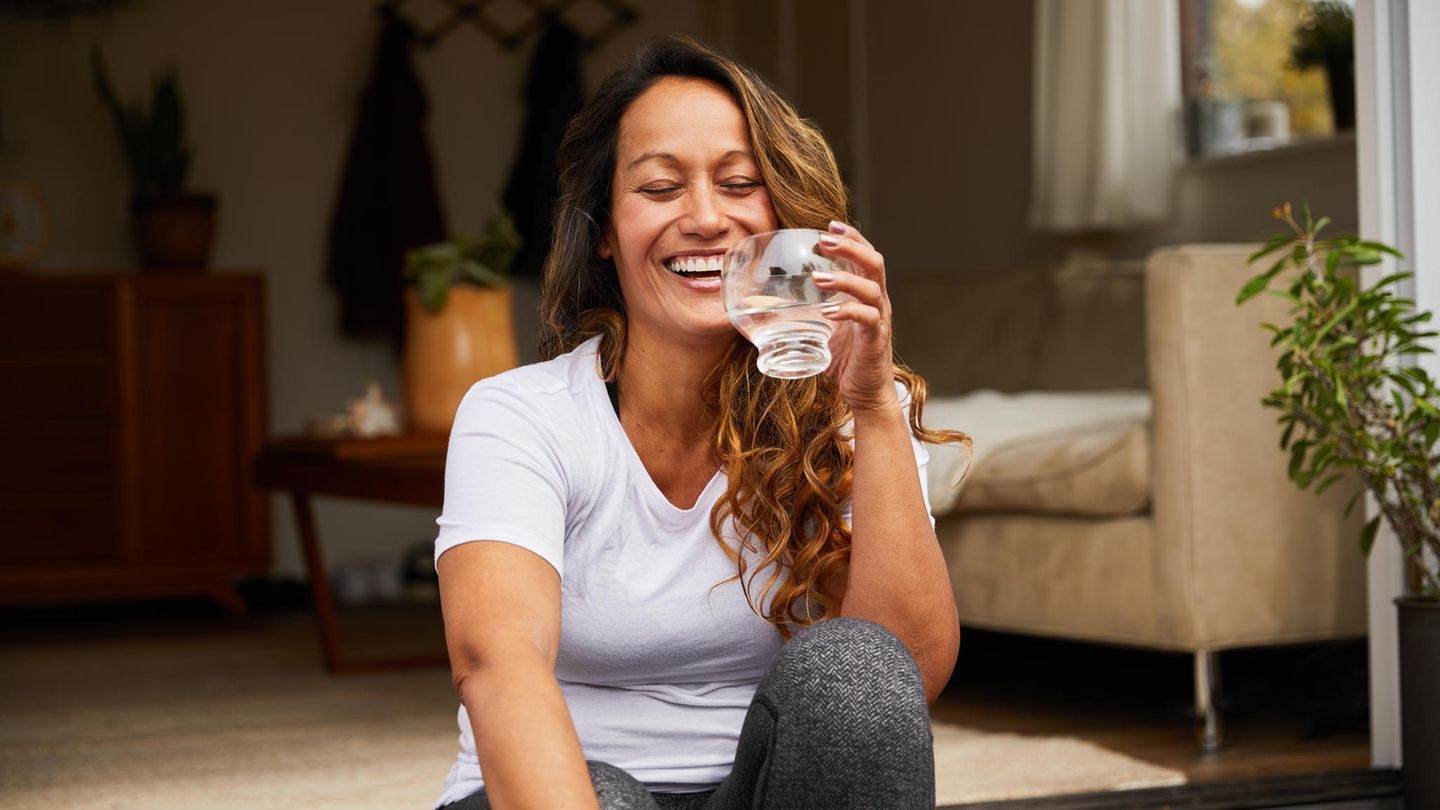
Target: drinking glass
(771, 297)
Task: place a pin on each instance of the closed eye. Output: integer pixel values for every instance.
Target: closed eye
(741, 185)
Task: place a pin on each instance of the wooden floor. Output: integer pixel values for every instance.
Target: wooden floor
(1285, 711)
(1295, 710)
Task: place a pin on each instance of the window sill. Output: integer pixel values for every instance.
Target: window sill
(1267, 154)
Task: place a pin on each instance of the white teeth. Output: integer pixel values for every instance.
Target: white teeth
(694, 265)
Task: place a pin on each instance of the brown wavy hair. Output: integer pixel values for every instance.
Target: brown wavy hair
(784, 444)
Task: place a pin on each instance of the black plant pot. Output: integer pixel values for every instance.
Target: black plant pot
(174, 234)
(1420, 699)
(1340, 77)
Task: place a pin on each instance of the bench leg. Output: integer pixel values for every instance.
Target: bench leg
(324, 602)
(320, 598)
(1207, 685)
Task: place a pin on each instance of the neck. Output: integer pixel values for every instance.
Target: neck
(661, 382)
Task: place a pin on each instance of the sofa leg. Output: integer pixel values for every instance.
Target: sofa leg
(1207, 685)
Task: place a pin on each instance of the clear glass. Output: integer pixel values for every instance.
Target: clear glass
(772, 299)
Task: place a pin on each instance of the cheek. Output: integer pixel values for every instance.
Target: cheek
(762, 212)
(636, 226)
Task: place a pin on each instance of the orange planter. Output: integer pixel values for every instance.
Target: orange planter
(472, 338)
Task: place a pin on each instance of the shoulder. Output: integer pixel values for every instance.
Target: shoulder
(553, 391)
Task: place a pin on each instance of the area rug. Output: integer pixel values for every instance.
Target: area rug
(248, 721)
(977, 766)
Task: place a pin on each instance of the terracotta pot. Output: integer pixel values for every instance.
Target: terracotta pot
(175, 234)
(473, 337)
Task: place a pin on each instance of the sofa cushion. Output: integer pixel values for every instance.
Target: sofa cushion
(1071, 453)
(1102, 470)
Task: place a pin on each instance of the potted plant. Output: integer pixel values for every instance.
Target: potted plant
(1325, 38)
(174, 228)
(1352, 407)
(458, 323)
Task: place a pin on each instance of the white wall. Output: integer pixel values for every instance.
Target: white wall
(271, 88)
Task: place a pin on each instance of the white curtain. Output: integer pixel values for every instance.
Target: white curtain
(1106, 113)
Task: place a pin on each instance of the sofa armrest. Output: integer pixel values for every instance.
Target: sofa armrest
(1244, 555)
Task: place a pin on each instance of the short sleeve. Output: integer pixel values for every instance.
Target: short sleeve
(922, 461)
(504, 476)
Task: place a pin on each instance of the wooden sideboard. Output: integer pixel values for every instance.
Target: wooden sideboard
(131, 410)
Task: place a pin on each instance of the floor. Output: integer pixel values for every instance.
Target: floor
(1299, 710)
(1290, 710)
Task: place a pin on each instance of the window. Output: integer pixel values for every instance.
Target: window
(1242, 85)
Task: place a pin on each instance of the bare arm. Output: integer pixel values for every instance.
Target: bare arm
(897, 575)
(502, 627)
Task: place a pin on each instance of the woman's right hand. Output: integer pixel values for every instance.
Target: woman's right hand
(501, 605)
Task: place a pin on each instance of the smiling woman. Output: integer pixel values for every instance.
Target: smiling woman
(721, 589)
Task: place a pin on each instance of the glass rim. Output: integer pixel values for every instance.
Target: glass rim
(818, 231)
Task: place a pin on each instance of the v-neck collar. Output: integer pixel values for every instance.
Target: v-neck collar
(651, 491)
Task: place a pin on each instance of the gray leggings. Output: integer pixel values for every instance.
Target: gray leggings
(839, 721)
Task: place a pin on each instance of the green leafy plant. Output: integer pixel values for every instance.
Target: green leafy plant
(483, 262)
(1326, 30)
(1350, 404)
(153, 136)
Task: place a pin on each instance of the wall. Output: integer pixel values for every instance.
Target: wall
(938, 158)
(271, 88)
(1229, 199)
(949, 98)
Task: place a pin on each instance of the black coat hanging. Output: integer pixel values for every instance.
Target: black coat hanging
(388, 200)
(553, 94)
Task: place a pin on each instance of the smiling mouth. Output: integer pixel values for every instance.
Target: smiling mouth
(696, 266)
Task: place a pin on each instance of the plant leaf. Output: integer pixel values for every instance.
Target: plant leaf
(434, 290)
(1256, 285)
(1273, 244)
(1367, 537)
(1382, 248)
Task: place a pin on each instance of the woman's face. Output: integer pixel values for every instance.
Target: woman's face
(686, 188)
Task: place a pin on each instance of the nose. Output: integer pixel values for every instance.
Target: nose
(703, 217)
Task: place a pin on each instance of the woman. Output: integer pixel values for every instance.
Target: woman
(662, 518)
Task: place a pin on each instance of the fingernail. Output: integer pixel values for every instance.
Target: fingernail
(833, 306)
(822, 275)
(829, 240)
(836, 226)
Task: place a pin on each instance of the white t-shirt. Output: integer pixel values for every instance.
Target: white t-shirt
(657, 664)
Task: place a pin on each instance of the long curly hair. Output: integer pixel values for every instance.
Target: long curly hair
(786, 445)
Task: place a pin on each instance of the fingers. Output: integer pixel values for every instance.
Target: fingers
(862, 314)
(841, 229)
(866, 285)
(853, 247)
(857, 286)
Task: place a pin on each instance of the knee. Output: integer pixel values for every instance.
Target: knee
(846, 667)
(617, 790)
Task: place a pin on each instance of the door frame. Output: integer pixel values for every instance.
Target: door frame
(1399, 188)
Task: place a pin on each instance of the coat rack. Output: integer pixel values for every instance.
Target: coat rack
(619, 15)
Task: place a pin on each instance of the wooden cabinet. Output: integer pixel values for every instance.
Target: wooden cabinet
(131, 410)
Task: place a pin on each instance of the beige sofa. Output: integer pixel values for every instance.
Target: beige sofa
(1166, 521)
